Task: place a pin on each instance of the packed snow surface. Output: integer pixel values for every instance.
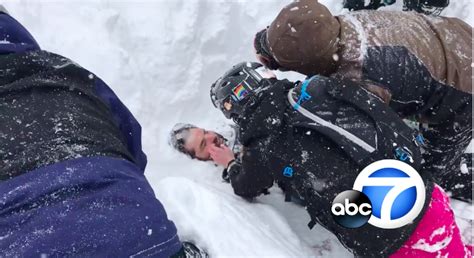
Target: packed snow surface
(160, 57)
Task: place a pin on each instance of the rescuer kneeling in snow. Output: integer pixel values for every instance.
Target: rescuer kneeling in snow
(421, 66)
(316, 136)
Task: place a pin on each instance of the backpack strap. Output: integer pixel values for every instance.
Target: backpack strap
(373, 107)
(394, 139)
(358, 149)
(304, 94)
(392, 132)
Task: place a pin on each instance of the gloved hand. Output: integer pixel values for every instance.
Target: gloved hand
(355, 5)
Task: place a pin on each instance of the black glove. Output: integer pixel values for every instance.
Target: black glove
(355, 5)
(434, 7)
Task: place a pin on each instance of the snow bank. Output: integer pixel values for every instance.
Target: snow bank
(160, 57)
(228, 226)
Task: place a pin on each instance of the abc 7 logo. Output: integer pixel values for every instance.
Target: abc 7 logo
(387, 194)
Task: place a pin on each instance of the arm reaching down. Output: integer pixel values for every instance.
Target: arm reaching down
(250, 177)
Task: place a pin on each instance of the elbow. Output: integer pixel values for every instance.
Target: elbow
(246, 193)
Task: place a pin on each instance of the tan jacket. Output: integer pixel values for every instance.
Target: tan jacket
(307, 38)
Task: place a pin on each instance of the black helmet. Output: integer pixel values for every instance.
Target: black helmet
(234, 89)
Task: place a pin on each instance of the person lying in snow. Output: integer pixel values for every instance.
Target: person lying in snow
(421, 66)
(206, 145)
(325, 157)
(72, 167)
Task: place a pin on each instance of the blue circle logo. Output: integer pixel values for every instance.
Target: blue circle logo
(396, 192)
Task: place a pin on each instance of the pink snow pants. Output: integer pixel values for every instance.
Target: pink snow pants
(437, 234)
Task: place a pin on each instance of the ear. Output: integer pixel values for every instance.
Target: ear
(264, 60)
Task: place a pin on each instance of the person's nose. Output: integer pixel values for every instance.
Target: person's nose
(210, 139)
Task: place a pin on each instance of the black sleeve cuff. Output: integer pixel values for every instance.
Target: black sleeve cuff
(234, 168)
(225, 176)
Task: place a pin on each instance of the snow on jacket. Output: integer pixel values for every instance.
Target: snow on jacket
(406, 58)
(322, 169)
(51, 112)
(87, 207)
(72, 167)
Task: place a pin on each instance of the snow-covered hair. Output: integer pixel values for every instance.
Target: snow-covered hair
(178, 136)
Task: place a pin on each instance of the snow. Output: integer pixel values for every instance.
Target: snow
(430, 245)
(292, 28)
(237, 227)
(437, 232)
(431, 248)
(160, 57)
(361, 34)
(304, 156)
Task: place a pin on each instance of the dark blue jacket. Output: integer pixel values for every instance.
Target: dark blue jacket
(88, 207)
(94, 200)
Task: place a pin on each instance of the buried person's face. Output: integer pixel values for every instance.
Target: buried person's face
(200, 141)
